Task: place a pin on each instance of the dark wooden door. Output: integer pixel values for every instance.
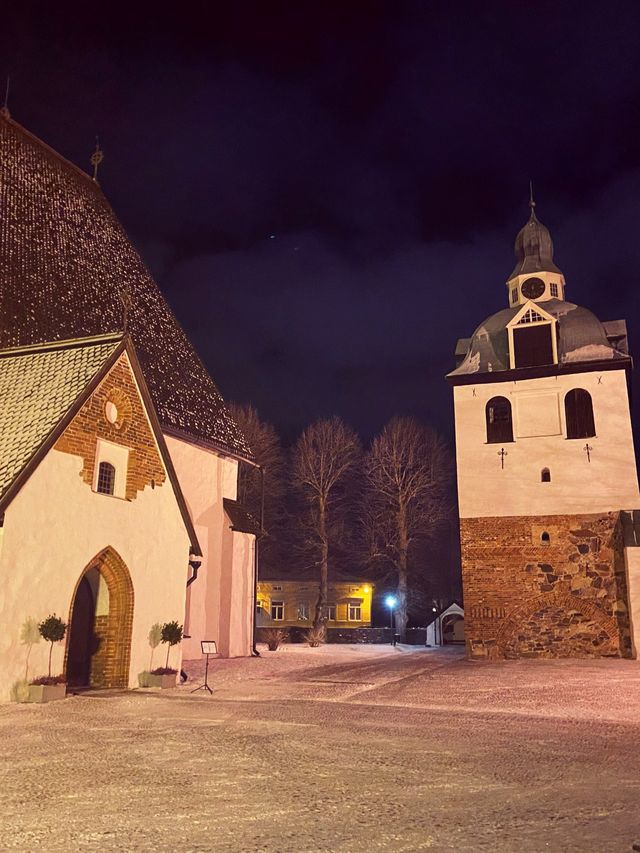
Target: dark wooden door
(81, 636)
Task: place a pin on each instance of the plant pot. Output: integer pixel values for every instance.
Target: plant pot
(46, 692)
(147, 679)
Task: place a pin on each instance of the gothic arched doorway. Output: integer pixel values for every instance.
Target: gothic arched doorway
(100, 623)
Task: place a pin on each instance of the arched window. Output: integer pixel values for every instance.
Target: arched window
(545, 538)
(499, 426)
(106, 478)
(578, 410)
(545, 475)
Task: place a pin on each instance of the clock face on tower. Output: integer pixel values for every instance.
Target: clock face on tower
(533, 288)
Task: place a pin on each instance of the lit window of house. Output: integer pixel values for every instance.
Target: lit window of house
(331, 612)
(355, 612)
(303, 610)
(277, 611)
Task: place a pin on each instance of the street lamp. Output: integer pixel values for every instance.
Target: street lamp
(391, 602)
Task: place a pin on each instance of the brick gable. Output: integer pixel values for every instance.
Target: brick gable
(132, 430)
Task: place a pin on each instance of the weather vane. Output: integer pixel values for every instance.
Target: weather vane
(96, 158)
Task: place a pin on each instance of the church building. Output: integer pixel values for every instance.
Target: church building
(94, 527)
(547, 480)
(69, 276)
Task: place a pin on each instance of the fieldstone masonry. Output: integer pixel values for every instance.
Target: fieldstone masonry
(545, 586)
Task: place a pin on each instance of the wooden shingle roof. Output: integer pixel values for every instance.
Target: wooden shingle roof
(37, 388)
(65, 262)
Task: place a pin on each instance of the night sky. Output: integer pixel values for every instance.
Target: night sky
(328, 193)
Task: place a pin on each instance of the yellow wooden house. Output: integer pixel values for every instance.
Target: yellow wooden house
(287, 602)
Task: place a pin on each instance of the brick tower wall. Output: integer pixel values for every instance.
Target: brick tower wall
(524, 597)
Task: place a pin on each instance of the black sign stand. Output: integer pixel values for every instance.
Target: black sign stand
(208, 647)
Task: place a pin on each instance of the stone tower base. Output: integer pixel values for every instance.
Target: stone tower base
(545, 586)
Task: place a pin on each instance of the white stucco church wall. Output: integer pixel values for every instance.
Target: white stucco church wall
(220, 601)
(40, 571)
(602, 481)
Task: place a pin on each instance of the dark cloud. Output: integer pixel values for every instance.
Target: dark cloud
(386, 147)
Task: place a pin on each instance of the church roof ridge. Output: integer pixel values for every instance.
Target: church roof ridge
(70, 343)
(32, 137)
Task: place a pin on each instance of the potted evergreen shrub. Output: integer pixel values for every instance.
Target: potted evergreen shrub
(49, 687)
(155, 638)
(165, 676)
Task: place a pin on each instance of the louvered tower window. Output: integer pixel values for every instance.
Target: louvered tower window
(106, 478)
(578, 409)
(499, 423)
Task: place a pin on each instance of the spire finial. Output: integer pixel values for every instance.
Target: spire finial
(532, 203)
(96, 158)
(5, 107)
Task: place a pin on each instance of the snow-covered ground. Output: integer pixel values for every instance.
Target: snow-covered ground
(290, 658)
(349, 749)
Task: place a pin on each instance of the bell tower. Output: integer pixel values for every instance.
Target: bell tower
(535, 275)
(547, 482)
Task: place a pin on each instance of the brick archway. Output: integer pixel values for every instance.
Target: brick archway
(600, 622)
(112, 629)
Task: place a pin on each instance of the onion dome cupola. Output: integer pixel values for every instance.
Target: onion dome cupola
(535, 275)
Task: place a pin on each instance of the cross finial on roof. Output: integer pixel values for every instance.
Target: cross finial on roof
(96, 158)
(5, 107)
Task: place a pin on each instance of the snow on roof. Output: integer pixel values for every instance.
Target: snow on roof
(38, 387)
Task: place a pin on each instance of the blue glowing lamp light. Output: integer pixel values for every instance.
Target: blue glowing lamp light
(391, 601)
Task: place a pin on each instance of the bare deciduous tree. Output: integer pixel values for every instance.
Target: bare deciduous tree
(267, 450)
(323, 458)
(407, 472)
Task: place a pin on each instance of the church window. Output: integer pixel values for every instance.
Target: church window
(499, 423)
(514, 294)
(553, 287)
(545, 538)
(545, 475)
(277, 611)
(530, 316)
(106, 478)
(578, 409)
(111, 412)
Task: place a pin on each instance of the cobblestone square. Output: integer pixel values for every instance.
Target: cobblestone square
(354, 749)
